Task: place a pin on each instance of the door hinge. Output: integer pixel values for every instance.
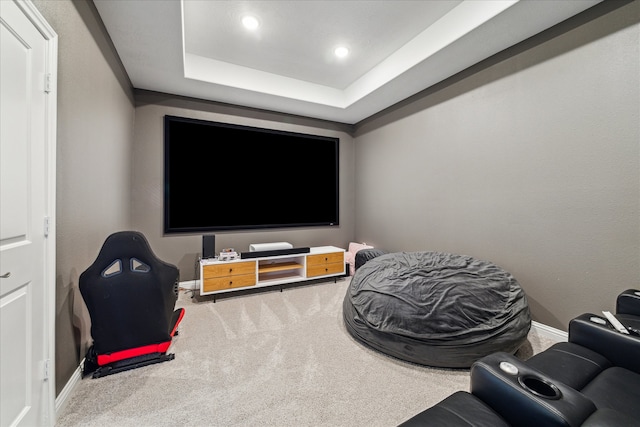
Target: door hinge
(46, 226)
(47, 82)
(45, 372)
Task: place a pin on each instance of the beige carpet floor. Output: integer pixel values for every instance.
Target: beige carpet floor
(267, 359)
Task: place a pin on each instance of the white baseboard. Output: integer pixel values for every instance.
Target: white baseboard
(190, 285)
(549, 332)
(63, 398)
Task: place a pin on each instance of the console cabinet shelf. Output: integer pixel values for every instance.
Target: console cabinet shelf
(279, 266)
(225, 276)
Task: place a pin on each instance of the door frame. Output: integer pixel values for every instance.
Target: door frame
(49, 265)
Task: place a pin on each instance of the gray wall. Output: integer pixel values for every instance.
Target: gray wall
(147, 184)
(95, 138)
(530, 160)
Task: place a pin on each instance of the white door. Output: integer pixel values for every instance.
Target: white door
(25, 286)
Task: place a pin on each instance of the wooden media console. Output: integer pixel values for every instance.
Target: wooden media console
(226, 276)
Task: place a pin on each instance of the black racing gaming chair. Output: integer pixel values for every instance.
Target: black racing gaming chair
(131, 296)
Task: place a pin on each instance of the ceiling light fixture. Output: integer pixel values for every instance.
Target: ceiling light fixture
(341, 51)
(250, 22)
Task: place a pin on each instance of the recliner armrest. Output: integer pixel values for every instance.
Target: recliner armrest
(628, 302)
(620, 349)
(461, 409)
(526, 397)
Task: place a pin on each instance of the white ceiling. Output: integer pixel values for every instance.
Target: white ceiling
(198, 48)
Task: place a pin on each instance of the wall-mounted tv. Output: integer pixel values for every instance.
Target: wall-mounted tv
(221, 177)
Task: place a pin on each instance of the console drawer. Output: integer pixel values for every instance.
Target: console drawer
(229, 282)
(323, 259)
(230, 269)
(324, 269)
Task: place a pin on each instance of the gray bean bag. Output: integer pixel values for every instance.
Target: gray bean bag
(436, 309)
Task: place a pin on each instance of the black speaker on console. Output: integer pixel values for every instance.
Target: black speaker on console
(208, 246)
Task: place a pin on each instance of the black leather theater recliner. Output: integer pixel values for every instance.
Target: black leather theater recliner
(591, 380)
(131, 296)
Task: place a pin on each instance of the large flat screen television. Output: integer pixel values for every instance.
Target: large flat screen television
(220, 177)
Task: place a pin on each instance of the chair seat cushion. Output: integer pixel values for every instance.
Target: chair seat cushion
(570, 363)
(618, 389)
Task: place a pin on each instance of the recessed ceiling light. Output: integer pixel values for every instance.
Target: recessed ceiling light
(341, 51)
(250, 22)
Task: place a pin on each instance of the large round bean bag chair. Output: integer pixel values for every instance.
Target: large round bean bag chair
(436, 309)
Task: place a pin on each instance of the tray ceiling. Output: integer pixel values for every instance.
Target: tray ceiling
(396, 48)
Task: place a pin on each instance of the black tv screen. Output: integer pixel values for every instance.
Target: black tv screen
(220, 176)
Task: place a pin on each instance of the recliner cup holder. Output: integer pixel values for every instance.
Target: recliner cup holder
(540, 387)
